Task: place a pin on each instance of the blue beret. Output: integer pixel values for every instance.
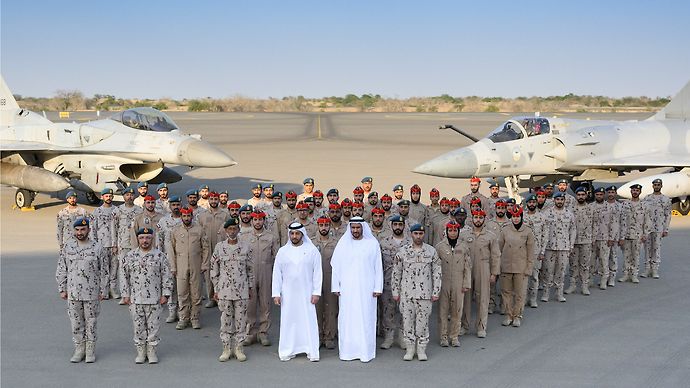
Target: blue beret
(308, 180)
(563, 180)
(81, 221)
(657, 180)
(581, 189)
(142, 184)
(128, 190)
(232, 221)
(162, 186)
(223, 192)
(191, 192)
(459, 210)
(493, 184)
(511, 200)
(269, 186)
(417, 228)
(636, 186)
(531, 197)
(548, 185)
(397, 187)
(309, 200)
(367, 179)
(203, 187)
(404, 202)
(612, 187)
(71, 193)
(559, 194)
(144, 231)
(247, 208)
(107, 190)
(600, 190)
(174, 199)
(333, 191)
(396, 218)
(256, 186)
(278, 194)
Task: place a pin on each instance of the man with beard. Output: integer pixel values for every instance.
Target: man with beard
(188, 252)
(203, 194)
(193, 203)
(234, 209)
(541, 200)
(434, 206)
(308, 184)
(346, 207)
(357, 209)
(492, 199)
(536, 221)
(376, 224)
(232, 276)
(500, 220)
(304, 218)
(456, 281)
(268, 195)
(518, 254)
(358, 194)
(273, 210)
(560, 239)
(82, 278)
(391, 321)
(143, 189)
(486, 266)
(319, 209)
(460, 216)
(569, 199)
(454, 204)
(614, 206)
(327, 308)
(337, 226)
(311, 205)
(367, 185)
(297, 280)
(223, 197)
(255, 200)
(441, 221)
(581, 255)
(474, 193)
(372, 202)
(162, 201)
(387, 205)
(420, 212)
(548, 193)
(634, 229)
(147, 219)
(147, 284)
(263, 247)
(357, 280)
(246, 219)
(124, 216)
(212, 222)
(659, 207)
(67, 216)
(416, 283)
(287, 215)
(601, 234)
(103, 230)
(333, 196)
(165, 227)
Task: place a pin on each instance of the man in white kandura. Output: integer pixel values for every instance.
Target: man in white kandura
(296, 289)
(357, 278)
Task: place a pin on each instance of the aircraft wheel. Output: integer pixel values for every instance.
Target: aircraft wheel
(683, 207)
(92, 198)
(23, 198)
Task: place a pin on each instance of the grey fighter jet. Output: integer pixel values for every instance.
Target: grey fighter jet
(38, 155)
(527, 151)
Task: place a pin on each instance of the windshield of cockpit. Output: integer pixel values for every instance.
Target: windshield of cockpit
(146, 119)
(516, 128)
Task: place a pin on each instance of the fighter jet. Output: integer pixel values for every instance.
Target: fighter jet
(38, 155)
(531, 150)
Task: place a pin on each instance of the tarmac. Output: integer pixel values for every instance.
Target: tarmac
(630, 335)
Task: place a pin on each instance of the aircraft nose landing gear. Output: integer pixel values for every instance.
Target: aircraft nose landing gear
(23, 199)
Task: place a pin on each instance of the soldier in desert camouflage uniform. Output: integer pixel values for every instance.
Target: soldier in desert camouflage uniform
(659, 207)
(165, 226)
(146, 286)
(416, 283)
(581, 254)
(536, 221)
(123, 216)
(635, 223)
(560, 238)
(82, 278)
(103, 230)
(212, 221)
(67, 216)
(601, 234)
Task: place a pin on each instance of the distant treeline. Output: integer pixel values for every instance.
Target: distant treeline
(71, 100)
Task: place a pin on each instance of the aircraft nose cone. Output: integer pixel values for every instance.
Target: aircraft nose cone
(202, 154)
(455, 164)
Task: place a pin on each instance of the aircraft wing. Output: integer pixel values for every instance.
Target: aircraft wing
(650, 160)
(16, 145)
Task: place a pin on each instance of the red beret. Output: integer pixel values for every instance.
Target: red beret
(213, 194)
(323, 220)
(415, 189)
(434, 192)
(187, 210)
(454, 202)
(474, 179)
(501, 203)
(452, 225)
(334, 206)
(346, 203)
(149, 198)
(358, 190)
(515, 211)
(234, 205)
(258, 215)
(378, 210)
(357, 204)
(317, 194)
(386, 197)
(290, 194)
(479, 213)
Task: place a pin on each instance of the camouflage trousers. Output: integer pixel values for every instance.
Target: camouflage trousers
(555, 263)
(631, 254)
(233, 321)
(82, 316)
(580, 259)
(450, 307)
(601, 258)
(116, 269)
(327, 310)
(612, 259)
(390, 317)
(415, 319)
(532, 284)
(513, 293)
(147, 321)
(653, 251)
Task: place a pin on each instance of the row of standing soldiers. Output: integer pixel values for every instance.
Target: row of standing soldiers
(505, 247)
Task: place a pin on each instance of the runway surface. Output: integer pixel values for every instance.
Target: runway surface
(631, 335)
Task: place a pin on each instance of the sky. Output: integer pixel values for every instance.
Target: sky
(398, 49)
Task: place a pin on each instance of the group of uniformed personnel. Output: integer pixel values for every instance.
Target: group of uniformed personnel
(152, 251)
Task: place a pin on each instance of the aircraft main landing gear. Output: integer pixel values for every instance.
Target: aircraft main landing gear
(23, 198)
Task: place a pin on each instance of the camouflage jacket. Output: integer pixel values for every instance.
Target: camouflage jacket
(124, 219)
(82, 270)
(164, 226)
(606, 221)
(389, 249)
(103, 226)
(232, 274)
(584, 223)
(146, 220)
(560, 229)
(65, 222)
(537, 223)
(659, 207)
(635, 220)
(146, 276)
(416, 273)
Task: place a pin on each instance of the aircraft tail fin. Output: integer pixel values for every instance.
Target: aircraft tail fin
(678, 108)
(7, 101)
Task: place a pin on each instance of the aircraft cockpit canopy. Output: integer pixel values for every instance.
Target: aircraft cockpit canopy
(146, 119)
(519, 127)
